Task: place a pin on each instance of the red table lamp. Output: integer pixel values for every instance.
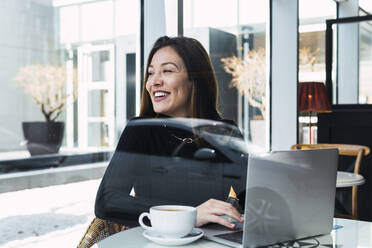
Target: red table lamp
(312, 98)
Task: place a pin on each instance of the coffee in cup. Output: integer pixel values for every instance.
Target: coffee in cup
(173, 221)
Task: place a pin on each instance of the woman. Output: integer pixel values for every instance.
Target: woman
(180, 82)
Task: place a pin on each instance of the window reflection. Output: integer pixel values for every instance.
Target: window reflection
(311, 51)
(235, 29)
(365, 62)
(93, 43)
(312, 38)
(163, 165)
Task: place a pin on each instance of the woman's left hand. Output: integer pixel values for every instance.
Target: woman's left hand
(212, 211)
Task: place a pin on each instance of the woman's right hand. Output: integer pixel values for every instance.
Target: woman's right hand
(213, 210)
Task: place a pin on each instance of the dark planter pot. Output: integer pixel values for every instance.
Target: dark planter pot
(43, 137)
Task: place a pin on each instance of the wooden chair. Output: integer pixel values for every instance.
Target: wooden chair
(357, 151)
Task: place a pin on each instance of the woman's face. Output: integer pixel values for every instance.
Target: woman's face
(168, 84)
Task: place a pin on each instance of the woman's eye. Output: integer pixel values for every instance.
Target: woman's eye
(167, 71)
(150, 73)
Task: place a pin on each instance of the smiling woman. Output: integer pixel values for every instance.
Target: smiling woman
(179, 82)
(181, 75)
(168, 84)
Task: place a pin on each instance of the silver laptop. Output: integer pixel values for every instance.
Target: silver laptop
(290, 195)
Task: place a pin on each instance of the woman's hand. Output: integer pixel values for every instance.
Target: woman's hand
(212, 210)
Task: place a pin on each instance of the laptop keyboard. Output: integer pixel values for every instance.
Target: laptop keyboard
(236, 237)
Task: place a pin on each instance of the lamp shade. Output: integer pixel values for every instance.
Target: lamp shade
(312, 97)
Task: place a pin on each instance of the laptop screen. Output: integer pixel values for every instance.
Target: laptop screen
(290, 195)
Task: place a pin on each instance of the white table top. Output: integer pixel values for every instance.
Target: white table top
(350, 233)
(348, 179)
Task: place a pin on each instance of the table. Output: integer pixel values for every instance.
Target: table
(348, 179)
(347, 233)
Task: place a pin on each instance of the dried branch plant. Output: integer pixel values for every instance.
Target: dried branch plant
(249, 76)
(308, 57)
(46, 85)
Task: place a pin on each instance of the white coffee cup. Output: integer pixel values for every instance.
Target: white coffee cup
(173, 221)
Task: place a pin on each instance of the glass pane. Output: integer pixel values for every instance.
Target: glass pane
(171, 10)
(97, 21)
(161, 174)
(221, 13)
(312, 38)
(68, 28)
(311, 53)
(97, 134)
(365, 63)
(100, 66)
(39, 65)
(354, 64)
(28, 48)
(234, 35)
(347, 64)
(126, 12)
(45, 36)
(366, 6)
(96, 105)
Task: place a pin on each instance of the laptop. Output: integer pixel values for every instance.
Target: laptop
(289, 196)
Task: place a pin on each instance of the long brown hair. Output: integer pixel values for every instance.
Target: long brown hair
(204, 93)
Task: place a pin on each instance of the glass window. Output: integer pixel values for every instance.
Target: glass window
(71, 62)
(352, 61)
(97, 21)
(67, 70)
(191, 165)
(365, 62)
(311, 54)
(29, 39)
(366, 6)
(126, 17)
(104, 57)
(69, 30)
(312, 38)
(171, 17)
(221, 13)
(234, 35)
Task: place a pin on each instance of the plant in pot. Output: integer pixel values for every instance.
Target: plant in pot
(46, 85)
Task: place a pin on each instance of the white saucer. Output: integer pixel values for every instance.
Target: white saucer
(195, 234)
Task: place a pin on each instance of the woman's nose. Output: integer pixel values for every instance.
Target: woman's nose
(157, 80)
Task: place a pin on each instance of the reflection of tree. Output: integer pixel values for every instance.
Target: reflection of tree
(308, 57)
(249, 76)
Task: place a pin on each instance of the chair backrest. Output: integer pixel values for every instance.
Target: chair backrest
(344, 149)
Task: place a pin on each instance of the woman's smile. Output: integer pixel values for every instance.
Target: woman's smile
(160, 95)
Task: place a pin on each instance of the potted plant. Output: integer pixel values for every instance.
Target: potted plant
(46, 85)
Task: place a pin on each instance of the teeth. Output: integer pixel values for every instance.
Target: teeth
(160, 94)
